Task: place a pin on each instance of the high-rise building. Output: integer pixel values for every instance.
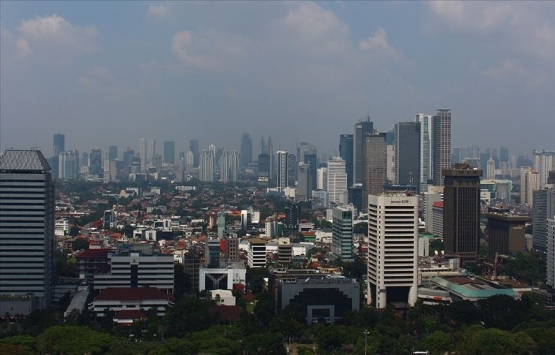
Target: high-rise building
(291, 217)
(529, 182)
(113, 152)
(206, 172)
(68, 165)
(150, 151)
(359, 139)
(550, 254)
(194, 148)
(246, 150)
(425, 150)
(490, 169)
(282, 176)
(262, 147)
(461, 211)
(272, 159)
(346, 151)
(506, 234)
(95, 162)
(263, 169)
(544, 162)
(27, 241)
(304, 186)
(504, 154)
(542, 210)
(234, 166)
(142, 153)
(390, 154)
(169, 152)
(407, 153)
(322, 178)
(292, 170)
(392, 249)
(127, 157)
(342, 233)
(59, 144)
(189, 161)
(310, 158)
(337, 182)
(375, 167)
(224, 167)
(441, 144)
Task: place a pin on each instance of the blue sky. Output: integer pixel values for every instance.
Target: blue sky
(109, 73)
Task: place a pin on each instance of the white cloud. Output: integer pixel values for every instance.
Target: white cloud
(379, 44)
(95, 77)
(54, 34)
(526, 27)
(511, 69)
(158, 11)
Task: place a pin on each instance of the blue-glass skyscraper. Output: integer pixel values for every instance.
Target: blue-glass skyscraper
(346, 153)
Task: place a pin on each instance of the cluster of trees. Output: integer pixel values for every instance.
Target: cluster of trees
(530, 268)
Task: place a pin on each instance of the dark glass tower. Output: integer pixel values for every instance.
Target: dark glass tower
(246, 150)
(361, 128)
(169, 152)
(346, 153)
(407, 153)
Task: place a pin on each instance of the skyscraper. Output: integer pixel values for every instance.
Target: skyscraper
(234, 166)
(461, 211)
(304, 186)
(425, 150)
(292, 170)
(150, 151)
(263, 169)
(392, 249)
(542, 210)
(194, 147)
(337, 181)
(282, 176)
(375, 165)
(262, 148)
(224, 167)
(271, 152)
(68, 165)
(342, 233)
(142, 154)
(113, 152)
(407, 153)
(206, 172)
(246, 150)
(544, 161)
(361, 128)
(95, 162)
(441, 144)
(529, 182)
(169, 152)
(59, 143)
(310, 158)
(490, 169)
(346, 151)
(27, 242)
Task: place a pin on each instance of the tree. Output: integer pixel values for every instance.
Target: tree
(79, 244)
(439, 343)
(73, 340)
(182, 281)
(189, 314)
(74, 231)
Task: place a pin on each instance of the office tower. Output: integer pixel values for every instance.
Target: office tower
(68, 165)
(272, 159)
(128, 156)
(484, 157)
(407, 153)
(291, 217)
(156, 162)
(322, 178)
(109, 170)
(150, 151)
(375, 167)
(282, 173)
(456, 154)
(189, 161)
(224, 167)
(142, 153)
(113, 152)
(95, 161)
(346, 151)
(212, 252)
(461, 211)
(27, 241)
(59, 144)
(212, 149)
(310, 158)
(246, 150)
(359, 139)
(503, 154)
(337, 181)
(194, 148)
(390, 153)
(441, 144)
(342, 233)
(84, 159)
(206, 172)
(425, 150)
(543, 163)
(392, 249)
(292, 170)
(263, 169)
(262, 148)
(529, 182)
(506, 234)
(551, 178)
(234, 166)
(542, 210)
(550, 254)
(490, 166)
(429, 201)
(304, 186)
(169, 152)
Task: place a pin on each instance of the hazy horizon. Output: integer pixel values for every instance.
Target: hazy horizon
(105, 73)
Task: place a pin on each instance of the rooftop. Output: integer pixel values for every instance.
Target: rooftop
(131, 294)
(471, 288)
(23, 160)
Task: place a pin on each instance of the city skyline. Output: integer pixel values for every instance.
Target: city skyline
(170, 70)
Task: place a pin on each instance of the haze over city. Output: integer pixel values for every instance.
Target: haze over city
(110, 73)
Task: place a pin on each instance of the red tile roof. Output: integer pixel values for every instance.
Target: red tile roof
(130, 314)
(438, 204)
(93, 254)
(131, 294)
(227, 313)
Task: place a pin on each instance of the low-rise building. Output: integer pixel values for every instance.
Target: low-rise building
(130, 298)
(222, 278)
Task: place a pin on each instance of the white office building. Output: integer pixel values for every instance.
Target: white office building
(392, 249)
(337, 181)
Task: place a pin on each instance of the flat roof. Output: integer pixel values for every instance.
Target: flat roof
(467, 287)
